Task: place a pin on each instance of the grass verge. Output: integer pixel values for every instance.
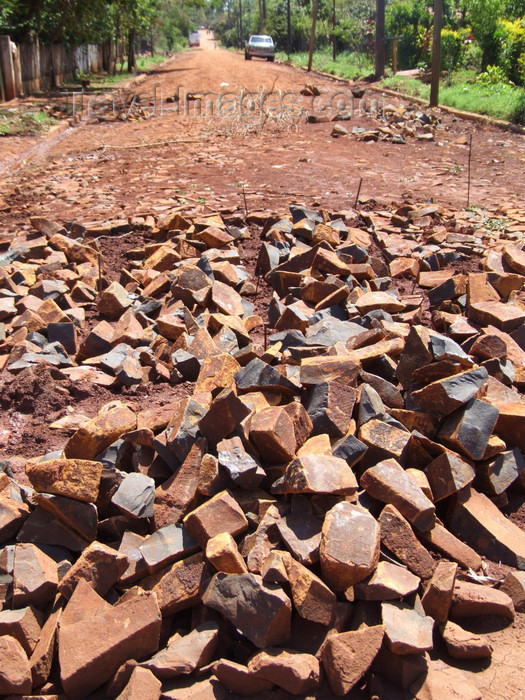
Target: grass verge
(346, 65)
(15, 122)
(462, 92)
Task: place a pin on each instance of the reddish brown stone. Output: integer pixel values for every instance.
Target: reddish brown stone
(35, 576)
(92, 649)
(346, 657)
(99, 565)
(15, 675)
(272, 432)
(73, 478)
(142, 686)
(238, 679)
(292, 671)
(349, 549)
(388, 482)
(221, 513)
(179, 586)
(24, 625)
(398, 536)
(262, 612)
(439, 590)
(472, 599)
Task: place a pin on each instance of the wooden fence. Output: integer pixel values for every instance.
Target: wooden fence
(29, 67)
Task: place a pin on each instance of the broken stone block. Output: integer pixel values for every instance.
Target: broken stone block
(468, 430)
(294, 672)
(439, 538)
(80, 517)
(260, 376)
(224, 414)
(35, 576)
(238, 679)
(258, 545)
(506, 317)
(223, 553)
(15, 674)
(349, 549)
(99, 565)
(300, 531)
(42, 657)
(216, 373)
(243, 469)
(370, 301)
(91, 649)
(12, 516)
(495, 476)
(384, 440)
(113, 301)
(97, 434)
(439, 590)
(350, 449)
(317, 474)
(398, 536)
(406, 631)
(301, 421)
(141, 685)
(478, 521)
(261, 612)
(347, 656)
(179, 586)
(389, 483)
(166, 545)
(448, 474)
(514, 586)
(179, 494)
(323, 370)
(221, 513)
(330, 407)
(24, 625)
(465, 645)
(388, 582)
(312, 599)
(135, 496)
(442, 397)
(473, 599)
(73, 478)
(185, 653)
(272, 432)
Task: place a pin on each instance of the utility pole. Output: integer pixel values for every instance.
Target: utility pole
(288, 28)
(312, 35)
(240, 24)
(334, 48)
(380, 39)
(436, 53)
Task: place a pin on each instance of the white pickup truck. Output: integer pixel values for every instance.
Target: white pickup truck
(194, 39)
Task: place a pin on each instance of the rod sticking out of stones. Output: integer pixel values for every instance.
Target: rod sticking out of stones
(468, 176)
(358, 192)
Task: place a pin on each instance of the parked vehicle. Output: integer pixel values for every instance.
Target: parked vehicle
(261, 46)
(195, 39)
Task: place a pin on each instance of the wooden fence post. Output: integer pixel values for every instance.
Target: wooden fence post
(7, 67)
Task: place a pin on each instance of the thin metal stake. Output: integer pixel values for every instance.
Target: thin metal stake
(244, 197)
(358, 192)
(469, 159)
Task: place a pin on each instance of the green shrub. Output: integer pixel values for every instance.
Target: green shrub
(511, 37)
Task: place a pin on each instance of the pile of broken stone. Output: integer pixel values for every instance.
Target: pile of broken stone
(316, 513)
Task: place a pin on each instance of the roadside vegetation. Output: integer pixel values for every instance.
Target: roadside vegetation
(483, 45)
(18, 122)
(469, 92)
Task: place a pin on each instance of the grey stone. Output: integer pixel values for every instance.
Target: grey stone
(135, 495)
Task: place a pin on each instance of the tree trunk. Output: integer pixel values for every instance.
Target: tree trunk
(380, 39)
(131, 50)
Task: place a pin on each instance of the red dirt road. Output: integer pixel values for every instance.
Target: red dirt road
(98, 170)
